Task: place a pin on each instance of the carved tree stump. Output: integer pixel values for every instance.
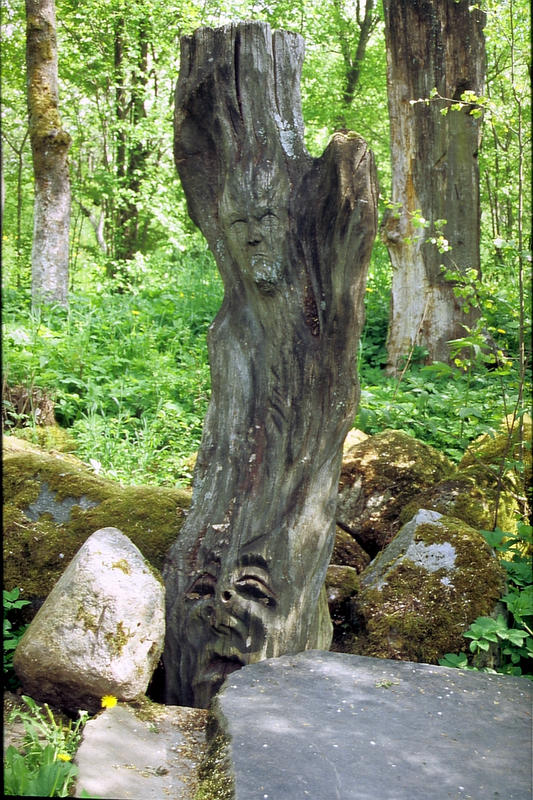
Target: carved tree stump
(292, 237)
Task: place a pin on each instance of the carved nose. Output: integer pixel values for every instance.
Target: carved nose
(254, 234)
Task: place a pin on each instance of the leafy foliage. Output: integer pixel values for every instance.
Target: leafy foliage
(509, 635)
(44, 768)
(129, 372)
(12, 635)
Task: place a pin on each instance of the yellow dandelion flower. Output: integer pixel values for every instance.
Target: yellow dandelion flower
(108, 701)
(63, 757)
(135, 312)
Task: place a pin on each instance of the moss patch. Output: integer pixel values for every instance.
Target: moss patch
(419, 615)
(88, 620)
(215, 774)
(347, 552)
(48, 437)
(37, 552)
(116, 641)
(463, 497)
(123, 565)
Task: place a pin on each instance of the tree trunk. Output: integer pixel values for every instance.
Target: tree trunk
(292, 237)
(431, 44)
(353, 54)
(131, 153)
(50, 145)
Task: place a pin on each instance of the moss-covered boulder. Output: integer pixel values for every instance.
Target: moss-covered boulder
(53, 503)
(379, 476)
(501, 465)
(49, 437)
(501, 450)
(425, 589)
(461, 496)
(346, 552)
(486, 481)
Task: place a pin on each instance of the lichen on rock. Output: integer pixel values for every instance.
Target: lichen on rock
(424, 590)
(98, 632)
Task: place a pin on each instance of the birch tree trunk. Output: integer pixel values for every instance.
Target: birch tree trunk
(292, 237)
(431, 44)
(50, 145)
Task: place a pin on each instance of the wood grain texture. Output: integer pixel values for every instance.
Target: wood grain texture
(292, 237)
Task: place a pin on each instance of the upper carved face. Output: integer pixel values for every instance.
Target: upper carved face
(226, 617)
(255, 225)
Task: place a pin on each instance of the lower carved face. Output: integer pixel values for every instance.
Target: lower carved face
(225, 623)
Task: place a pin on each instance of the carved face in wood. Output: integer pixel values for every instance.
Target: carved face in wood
(225, 615)
(254, 216)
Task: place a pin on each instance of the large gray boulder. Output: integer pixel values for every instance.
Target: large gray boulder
(331, 726)
(99, 632)
(424, 589)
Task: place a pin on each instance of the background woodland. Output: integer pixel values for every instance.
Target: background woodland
(122, 359)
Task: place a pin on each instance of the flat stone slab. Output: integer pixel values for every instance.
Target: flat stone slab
(332, 726)
(141, 754)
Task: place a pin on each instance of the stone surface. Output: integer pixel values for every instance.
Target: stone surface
(428, 585)
(353, 438)
(100, 631)
(145, 753)
(52, 502)
(462, 496)
(379, 477)
(330, 726)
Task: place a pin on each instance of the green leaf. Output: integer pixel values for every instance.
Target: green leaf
(493, 538)
(516, 637)
(520, 603)
(457, 660)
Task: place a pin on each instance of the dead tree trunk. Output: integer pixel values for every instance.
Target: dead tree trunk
(434, 44)
(49, 145)
(292, 237)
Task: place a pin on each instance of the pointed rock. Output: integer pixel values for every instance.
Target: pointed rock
(100, 631)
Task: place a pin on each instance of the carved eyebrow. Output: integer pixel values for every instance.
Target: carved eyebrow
(253, 560)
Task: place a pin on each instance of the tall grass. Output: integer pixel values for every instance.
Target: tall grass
(129, 373)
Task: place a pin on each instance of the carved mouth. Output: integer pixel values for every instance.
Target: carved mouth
(211, 679)
(222, 666)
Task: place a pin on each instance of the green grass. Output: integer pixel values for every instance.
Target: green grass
(129, 373)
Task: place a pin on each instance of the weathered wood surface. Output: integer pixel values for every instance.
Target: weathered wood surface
(431, 44)
(292, 237)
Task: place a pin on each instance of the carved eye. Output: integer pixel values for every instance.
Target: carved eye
(203, 586)
(252, 587)
(268, 214)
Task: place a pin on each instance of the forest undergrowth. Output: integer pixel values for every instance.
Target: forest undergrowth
(127, 370)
